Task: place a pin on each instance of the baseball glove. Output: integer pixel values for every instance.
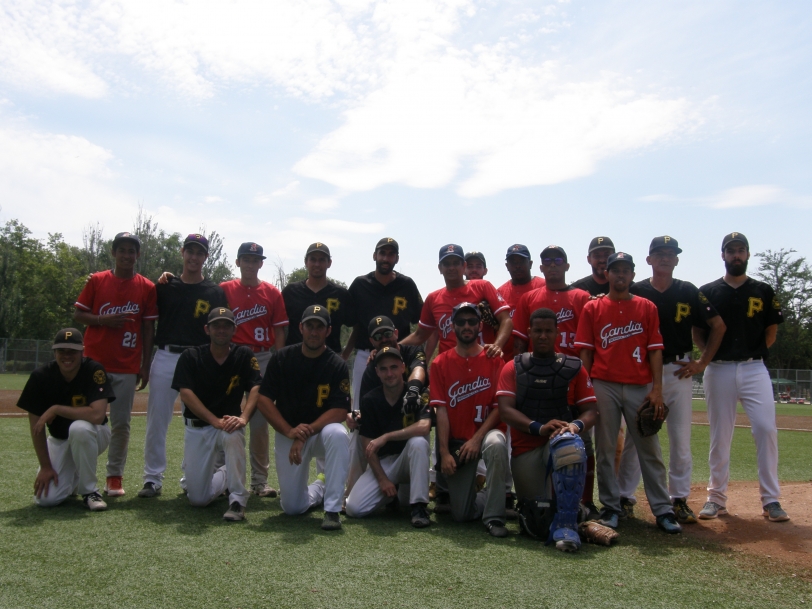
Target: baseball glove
(594, 532)
(647, 425)
(487, 315)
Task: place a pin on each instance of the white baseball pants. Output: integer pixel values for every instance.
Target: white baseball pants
(205, 481)
(159, 414)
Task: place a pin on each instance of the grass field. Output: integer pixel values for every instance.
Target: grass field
(13, 381)
(164, 553)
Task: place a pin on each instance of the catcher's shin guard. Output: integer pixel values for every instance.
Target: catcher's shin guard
(568, 462)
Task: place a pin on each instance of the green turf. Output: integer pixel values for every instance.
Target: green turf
(795, 410)
(164, 553)
(13, 381)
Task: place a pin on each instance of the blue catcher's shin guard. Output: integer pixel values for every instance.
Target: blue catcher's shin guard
(568, 463)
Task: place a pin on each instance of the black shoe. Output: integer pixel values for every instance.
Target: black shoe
(331, 521)
(420, 516)
(497, 529)
(442, 504)
(626, 508)
(235, 512)
(592, 512)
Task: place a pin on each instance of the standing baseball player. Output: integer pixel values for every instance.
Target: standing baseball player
(539, 395)
(600, 248)
(69, 396)
(475, 265)
(395, 444)
(463, 392)
(305, 396)
(119, 309)
(183, 306)
(211, 380)
(679, 310)
(520, 267)
(381, 292)
(317, 289)
(259, 312)
(751, 314)
(621, 348)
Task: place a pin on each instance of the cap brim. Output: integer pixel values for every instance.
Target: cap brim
(73, 346)
(221, 319)
(309, 317)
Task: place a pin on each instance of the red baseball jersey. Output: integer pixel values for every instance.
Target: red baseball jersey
(567, 305)
(579, 392)
(466, 386)
(117, 349)
(621, 333)
(437, 309)
(259, 312)
(512, 294)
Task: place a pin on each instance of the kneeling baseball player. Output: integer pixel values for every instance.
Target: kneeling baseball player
(395, 443)
(211, 380)
(538, 395)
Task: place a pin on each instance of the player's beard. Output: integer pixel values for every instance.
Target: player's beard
(736, 268)
(383, 268)
(466, 340)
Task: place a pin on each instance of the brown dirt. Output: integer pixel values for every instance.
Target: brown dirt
(801, 423)
(8, 403)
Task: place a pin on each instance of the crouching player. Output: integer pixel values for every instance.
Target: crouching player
(539, 395)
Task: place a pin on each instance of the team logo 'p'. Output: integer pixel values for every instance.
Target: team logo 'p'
(754, 305)
(68, 335)
(332, 305)
(322, 393)
(600, 240)
(400, 305)
(233, 383)
(683, 311)
(202, 307)
(78, 401)
(666, 239)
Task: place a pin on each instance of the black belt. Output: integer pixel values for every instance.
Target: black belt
(175, 348)
(737, 361)
(195, 423)
(670, 359)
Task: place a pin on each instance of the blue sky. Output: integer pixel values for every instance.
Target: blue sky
(480, 123)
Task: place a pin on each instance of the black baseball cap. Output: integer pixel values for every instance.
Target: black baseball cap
(665, 241)
(318, 246)
(451, 250)
(619, 257)
(478, 255)
(554, 248)
(730, 238)
(197, 239)
(381, 321)
(517, 249)
(317, 312)
(388, 242)
(127, 237)
(250, 249)
(69, 338)
(386, 352)
(600, 243)
(465, 306)
(219, 313)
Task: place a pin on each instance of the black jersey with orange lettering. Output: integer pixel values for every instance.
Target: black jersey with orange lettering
(399, 300)
(334, 298)
(588, 284)
(183, 311)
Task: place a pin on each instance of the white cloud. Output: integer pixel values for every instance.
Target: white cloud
(753, 195)
(286, 190)
(321, 204)
(213, 199)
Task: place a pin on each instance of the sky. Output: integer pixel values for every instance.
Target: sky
(482, 123)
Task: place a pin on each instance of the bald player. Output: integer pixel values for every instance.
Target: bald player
(600, 248)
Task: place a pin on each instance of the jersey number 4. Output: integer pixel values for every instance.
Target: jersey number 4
(262, 334)
(636, 355)
(130, 340)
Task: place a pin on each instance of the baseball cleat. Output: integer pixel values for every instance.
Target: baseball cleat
(497, 529)
(113, 487)
(420, 516)
(94, 502)
(566, 546)
(432, 491)
(609, 518)
(331, 522)
(774, 513)
(592, 512)
(626, 508)
(685, 514)
(263, 490)
(235, 512)
(668, 523)
(711, 510)
(442, 505)
(150, 490)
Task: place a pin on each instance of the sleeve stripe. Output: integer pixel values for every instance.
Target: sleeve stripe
(590, 398)
(281, 323)
(655, 345)
(426, 325)
(150, 317)
(81, 306)
(500, 309)
(588, 345)
(519, 334)
(505, 392)
(440, 402)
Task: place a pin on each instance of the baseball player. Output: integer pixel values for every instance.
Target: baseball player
(538, 394)
(396, 444)
(305, 396)
(317, 289)
(119, 309)
(600, 248)
(211, 380)
(436, 315)
(69, 396)
(475, 265)
(751, 314)
(520, 267)
(259, 312)
(463, 392)
(183, 306)
(381, 292)
(679, 310)
(621, 348)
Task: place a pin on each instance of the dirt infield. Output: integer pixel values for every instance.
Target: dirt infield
(8, 403)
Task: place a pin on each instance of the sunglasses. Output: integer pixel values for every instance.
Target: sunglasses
(549, 261)
(466, 321)
(383, 334)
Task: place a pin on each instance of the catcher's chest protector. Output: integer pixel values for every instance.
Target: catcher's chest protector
(542, 386)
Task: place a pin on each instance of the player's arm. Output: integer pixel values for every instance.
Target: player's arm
(147, 341)
(384, 483)
(89, 319)
(93, 413)
(333, 415)
(419, 428)
(655, 396)
(510, 415)
(710, 345)
(348, 348)
(447, 463)
(247, 413)
(279, 334)
(770, 332)
(431, 345)
(275, 419)
(472, 448)
(193, 403)
(502, 336)
(587, 358)
(419, 336)
(46, 473)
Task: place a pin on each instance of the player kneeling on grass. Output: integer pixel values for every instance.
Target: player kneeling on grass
(539, 394)
(395, 443)
(70, 397)
(211, 380)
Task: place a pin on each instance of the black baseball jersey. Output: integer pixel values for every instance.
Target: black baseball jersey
(304, 388)
(413, 357)
(47, 387)
(679, 309)
(334, 298)
(378, 417)
(219, 386)
(183, 311)
(747, 311)
(589, 284)
(398, 300)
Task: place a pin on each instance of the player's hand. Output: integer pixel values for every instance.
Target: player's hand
(295, 455)
(143, 378)
(690, 369)
(116, 320)
(301, 432)
(655, 398)
(371, 357)
(352, 419)
(493, 350)
(448, 465)
(387, 488)
(470, 450)
(45, 418)
(43, 480)
(165, 277)
(375, 445)
(553, 427)
(232, 424)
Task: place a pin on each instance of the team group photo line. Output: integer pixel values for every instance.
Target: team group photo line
(539, 388)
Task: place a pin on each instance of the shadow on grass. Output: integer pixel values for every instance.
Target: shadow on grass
(32, 515)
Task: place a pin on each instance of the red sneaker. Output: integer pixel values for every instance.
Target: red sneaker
(113, 487)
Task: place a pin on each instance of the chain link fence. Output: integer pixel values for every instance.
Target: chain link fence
(789, 386)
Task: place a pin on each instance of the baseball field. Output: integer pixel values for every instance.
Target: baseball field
(164, 553)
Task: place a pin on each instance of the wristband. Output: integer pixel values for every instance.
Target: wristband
(415, 384)
(579, 424)
(535, 428)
